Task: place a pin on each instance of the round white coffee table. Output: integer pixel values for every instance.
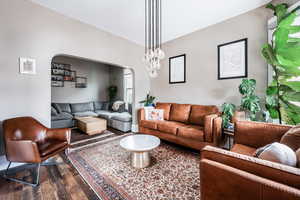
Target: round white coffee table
(139, 146)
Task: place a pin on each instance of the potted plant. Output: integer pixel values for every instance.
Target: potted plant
(112, 92)
(250, 102)
(283, 94)
(228, 110)
(149, 101)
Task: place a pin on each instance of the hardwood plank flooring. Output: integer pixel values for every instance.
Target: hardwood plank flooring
(61, 182)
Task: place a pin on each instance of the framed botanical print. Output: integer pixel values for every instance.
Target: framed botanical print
(177, 69)
(233, 60)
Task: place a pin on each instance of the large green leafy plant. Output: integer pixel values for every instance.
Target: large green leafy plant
(250, 101)
(228, 110)
(283, 54)
(112, 92)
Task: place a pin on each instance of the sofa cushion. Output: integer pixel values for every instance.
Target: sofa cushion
(277, 152)
(180, 112)
(98, 105)
(82, 107)
(166, 107)
(62, 107)
(106, 114)
(243, 149)
(53, 111)
(198, 113)
(292, 138)
(169, 126)
(85, 114)
(61, 116)
(123, 117)
(191, 132)
(151, 124)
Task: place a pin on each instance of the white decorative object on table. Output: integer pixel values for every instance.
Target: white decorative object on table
(140, 145)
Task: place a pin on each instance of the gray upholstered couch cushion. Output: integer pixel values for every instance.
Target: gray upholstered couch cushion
(123, 117)
(61, 116)
(62, 107)
(82, 107)
(85, 114)
(53, 111)
(98, 105)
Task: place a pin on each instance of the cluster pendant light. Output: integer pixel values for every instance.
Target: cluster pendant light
(153, 52)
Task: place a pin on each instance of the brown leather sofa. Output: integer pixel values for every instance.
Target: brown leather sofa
(28, 141)
(189, 125)
(236, 174)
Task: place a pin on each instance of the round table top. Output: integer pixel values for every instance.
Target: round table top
(140, 143)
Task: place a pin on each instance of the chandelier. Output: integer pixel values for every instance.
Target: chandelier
(153, 52)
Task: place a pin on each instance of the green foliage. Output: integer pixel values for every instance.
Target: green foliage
(112, 92)
(283, 56)
(149, 100)
(250, 101)
(228, 110)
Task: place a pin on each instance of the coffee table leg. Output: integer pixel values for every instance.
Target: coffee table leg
(140, 159)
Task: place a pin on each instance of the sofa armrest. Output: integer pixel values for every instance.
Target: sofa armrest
(258, 134)
(22, 151)
(209, 127)
(269, 170)
(63, 134)
(141, 115)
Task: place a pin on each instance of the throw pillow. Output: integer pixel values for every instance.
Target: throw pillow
(53, 111)
(292, 138)
(277, 152)
(154, 114)
(298, 157)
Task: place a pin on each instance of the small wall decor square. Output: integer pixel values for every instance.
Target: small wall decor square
(232, 60)
(177, 69)
(27, 66)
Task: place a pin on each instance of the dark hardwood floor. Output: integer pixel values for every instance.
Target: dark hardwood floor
(56, 182)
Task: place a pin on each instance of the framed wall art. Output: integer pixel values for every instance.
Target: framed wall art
(233, 60)
(177, 69)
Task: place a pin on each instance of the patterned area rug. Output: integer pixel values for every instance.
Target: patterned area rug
(174, 173)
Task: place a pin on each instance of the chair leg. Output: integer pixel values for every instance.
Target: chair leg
(35, 182)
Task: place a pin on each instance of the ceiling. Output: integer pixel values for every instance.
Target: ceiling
(125, 18)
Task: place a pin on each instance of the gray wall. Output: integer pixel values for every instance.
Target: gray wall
(98, 76)
(117, 79)
(200, 47)
(29, 30)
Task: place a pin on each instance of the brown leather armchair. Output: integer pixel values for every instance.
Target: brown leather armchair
(236, 174)
(28, 141)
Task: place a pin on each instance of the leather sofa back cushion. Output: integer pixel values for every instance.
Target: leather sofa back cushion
(292, 138)
(82, 107)
(180, 112)
(198, 113)
(167, 109)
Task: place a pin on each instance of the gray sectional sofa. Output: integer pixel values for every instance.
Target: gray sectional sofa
(63, 114)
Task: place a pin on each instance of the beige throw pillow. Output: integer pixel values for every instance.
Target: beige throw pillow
(277, 152)
(292, 138)
(298, 157)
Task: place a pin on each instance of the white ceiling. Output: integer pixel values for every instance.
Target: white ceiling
(125, 18)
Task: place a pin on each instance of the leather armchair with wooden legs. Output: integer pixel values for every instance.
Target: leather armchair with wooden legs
(28, 141)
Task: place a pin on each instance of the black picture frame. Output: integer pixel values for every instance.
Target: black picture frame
(184, 69)
(245, 75)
